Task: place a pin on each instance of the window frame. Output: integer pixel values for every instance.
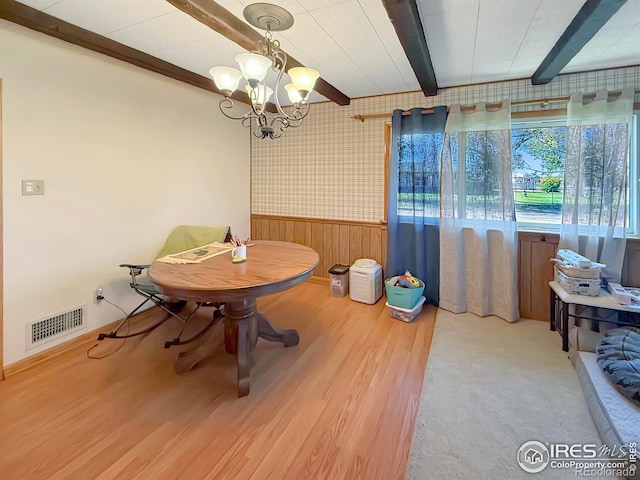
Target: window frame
(551, 120)
(633, 180)
(537, 122)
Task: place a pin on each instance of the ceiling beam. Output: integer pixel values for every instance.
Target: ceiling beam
(591, 17)
(224, 22)
(406, 20)
(42, 22)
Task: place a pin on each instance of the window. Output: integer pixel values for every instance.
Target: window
(537, 156)
(419, 175)
(538, 152)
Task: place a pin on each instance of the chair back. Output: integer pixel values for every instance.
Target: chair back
(185, 237)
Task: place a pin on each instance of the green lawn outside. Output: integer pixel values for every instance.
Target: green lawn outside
(539, 198)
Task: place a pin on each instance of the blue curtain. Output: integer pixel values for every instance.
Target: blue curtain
(413, 239)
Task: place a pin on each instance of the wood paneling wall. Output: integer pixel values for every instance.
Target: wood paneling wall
(631, 268)
(535, 272)
(1, 247)
(336, 241)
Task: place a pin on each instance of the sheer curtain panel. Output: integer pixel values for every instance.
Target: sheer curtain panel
(478, 236)
(594, 210)
(414, 189)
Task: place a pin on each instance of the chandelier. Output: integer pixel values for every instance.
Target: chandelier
(254, 68)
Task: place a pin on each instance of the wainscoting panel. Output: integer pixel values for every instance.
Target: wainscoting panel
(535, 272)
(336, 241)
(631, 268)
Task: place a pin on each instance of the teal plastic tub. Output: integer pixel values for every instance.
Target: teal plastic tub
(402, 297)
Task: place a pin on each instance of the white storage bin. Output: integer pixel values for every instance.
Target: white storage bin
(577, 286)
(406, 314)
(365, 281)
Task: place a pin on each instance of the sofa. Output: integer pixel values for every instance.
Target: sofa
(616, 418)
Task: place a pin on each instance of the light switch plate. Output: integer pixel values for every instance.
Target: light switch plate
(32, 187)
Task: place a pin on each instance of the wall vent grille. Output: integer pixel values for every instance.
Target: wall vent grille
(55, 326)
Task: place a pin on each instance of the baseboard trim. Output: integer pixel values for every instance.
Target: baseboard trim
(50, 353)
(319, 280)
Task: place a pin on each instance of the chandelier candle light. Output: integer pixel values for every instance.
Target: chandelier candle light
(254, 67)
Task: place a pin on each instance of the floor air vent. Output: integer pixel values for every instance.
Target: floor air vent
(55, 326)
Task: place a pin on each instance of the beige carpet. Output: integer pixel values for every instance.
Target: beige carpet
(489, 387)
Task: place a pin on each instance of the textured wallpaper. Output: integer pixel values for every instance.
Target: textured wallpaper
(332, 166)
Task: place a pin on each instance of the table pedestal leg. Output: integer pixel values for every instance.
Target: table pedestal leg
(243, 357)
(235, 312)
(289, 336)
(240, 337)
(242, 327)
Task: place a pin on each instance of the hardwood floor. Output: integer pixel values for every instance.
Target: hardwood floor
(341, 405)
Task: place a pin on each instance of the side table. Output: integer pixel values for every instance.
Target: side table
(559, 306)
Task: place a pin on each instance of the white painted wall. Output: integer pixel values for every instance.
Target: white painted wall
(125, 154)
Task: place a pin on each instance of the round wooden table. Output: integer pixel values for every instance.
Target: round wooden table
(271, 267)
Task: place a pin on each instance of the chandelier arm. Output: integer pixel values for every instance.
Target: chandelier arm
(226, 104)
(284, 122)
(279, 55)
(246, 121)
(296, 118)
(304, 105)
(262, 120)
(258, 135)
(253, 96)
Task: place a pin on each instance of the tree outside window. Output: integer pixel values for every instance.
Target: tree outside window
(538, 167)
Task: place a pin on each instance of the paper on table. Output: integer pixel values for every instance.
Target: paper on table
(198, 254)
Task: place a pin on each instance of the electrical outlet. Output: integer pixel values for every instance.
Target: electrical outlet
(99, 293)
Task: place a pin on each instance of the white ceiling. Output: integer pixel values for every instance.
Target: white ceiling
(353, 44)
